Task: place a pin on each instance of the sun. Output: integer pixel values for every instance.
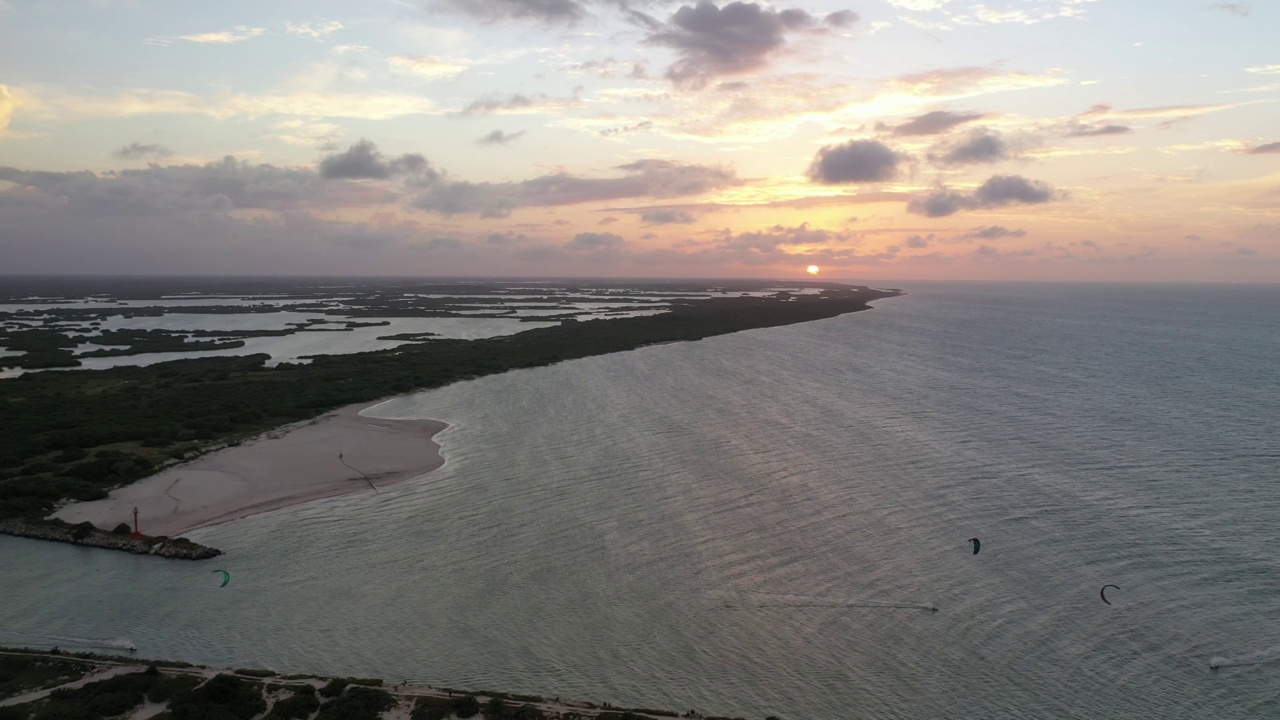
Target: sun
(812, 269)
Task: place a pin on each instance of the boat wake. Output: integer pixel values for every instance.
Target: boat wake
(1253, 658)
(770, 600)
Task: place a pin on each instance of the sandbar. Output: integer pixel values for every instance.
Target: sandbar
(338, 453)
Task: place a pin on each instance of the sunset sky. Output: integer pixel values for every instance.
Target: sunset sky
(877, 139)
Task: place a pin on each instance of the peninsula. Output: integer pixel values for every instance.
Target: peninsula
(277, 432)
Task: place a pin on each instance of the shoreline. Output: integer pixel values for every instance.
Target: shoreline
(339, 453)
(75, 675)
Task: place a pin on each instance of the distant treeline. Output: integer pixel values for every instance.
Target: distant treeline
(77, 434)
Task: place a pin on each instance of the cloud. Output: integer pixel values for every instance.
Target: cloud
(981, 146)
(1234, 8)
(495, 103)
(737, 38)
(316, 31)
(547, 11)
(363, 161)
(998, 191)
(135, 150)
(607, 220)
(933, 123)
(970, 80)
(1264, 70)
(666, 217)
(841, 18)
(854, 161)
(497, 137)
(1080, 130)
(595, 242)
(156, 191)
(424, 66)
(239, 33)
(918, 5)
(993, 232)
(1268, 149)
(8, 103)
(611, 132)
(644, 178)
(919, 241)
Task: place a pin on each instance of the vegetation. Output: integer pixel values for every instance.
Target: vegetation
(20, 675)
(75, 435)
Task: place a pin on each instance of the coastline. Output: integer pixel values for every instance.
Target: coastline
(143, 688)
(339, 453)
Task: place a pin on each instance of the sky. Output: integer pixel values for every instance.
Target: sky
(1059, 140)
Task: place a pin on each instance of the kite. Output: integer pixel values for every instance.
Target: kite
(977, 545)
(226, 577)
(1103, 592)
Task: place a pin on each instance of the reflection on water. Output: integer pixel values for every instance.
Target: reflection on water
(733, 524)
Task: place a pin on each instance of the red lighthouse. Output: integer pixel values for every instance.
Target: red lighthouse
(135, 532)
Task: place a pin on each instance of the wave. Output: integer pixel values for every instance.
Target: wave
(1253, 658)
(70, 641)
(809, 601)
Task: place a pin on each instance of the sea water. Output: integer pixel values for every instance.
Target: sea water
(762, 523)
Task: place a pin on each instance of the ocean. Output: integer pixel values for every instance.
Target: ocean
(762, 523)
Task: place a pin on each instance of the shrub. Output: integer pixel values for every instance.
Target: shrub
(466, 706)
(124, 529)
(334, 688)
(82, 531)
(296, 706)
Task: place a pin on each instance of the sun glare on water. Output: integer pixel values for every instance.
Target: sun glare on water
(812, 269)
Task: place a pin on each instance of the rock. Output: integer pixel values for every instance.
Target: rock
(179, 548)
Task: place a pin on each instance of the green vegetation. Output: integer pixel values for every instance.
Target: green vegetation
(186, 694)
(75, 435)
(20, 675)
(357, 703)
(298, 706)
(136, 342)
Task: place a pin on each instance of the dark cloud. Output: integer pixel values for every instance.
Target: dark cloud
(933, 123)
(214, 187)
(595, 242)
(644, 178)
(135, 150)
(607, 220)
(998, 191)
(853, 162)
(841, 18)
(493, 103)
(548, 11)
(1094, 130)
(982, 146)
(1268, 149)
(993, 232)
(1234, 8)
(779, 236)
(737, 38)
(497, 137)
(667, 217)
(363, 161)
(610, 132)
(919, 241)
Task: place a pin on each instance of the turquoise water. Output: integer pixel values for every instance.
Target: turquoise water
(752, 524)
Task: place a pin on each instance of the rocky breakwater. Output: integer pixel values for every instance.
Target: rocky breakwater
(90, 536)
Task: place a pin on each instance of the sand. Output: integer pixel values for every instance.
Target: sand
(287, 466)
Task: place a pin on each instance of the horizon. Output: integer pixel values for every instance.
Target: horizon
(932, 140)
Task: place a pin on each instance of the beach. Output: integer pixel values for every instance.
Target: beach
(338, 453)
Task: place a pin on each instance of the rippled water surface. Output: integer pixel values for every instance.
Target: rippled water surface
(758, 523)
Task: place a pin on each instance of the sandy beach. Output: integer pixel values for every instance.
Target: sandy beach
(336, 454)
